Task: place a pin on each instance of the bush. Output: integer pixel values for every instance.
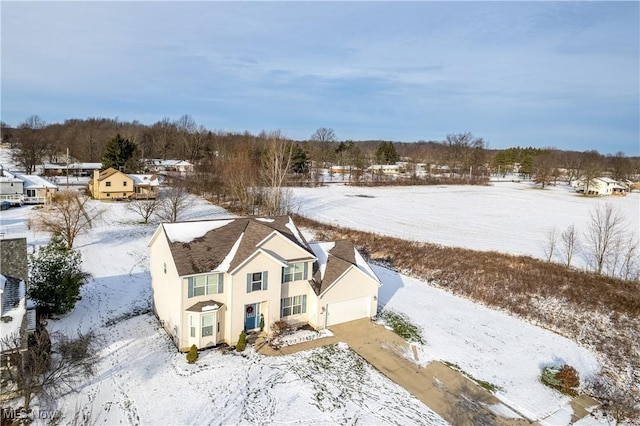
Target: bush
(242, 342)
(192, 355)
(280, 328)
(55, 278)
(565, 379)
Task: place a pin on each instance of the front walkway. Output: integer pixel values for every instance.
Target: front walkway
(446, 391)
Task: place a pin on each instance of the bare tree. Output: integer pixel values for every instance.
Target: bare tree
(630, 268)
(550, 244)
(45, 368)
(323, 134)
(276, 162)
(31, 146)
(241, 179)
(592, 169)
(542, 168)
(175, 202)
(569, 238)
(68, 215)
(604, 231)
(145, 207)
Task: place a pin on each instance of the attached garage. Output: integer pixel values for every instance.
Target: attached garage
(348, 310)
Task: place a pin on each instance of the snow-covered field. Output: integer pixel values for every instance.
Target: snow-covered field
(507, 217)
(143, 380)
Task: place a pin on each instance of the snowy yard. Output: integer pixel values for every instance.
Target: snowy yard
(142, 379)
(506, 217)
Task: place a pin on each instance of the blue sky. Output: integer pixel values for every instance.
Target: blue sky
(561, 74)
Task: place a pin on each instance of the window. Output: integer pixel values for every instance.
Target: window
(124, 183)
(165, 267)
(256, 281)
(192, 325)
(31, 192)
(207, 325)
(108, 184)
(294, 272)
(205, 284)
(293, 305)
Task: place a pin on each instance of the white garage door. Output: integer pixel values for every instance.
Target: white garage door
(348, 310)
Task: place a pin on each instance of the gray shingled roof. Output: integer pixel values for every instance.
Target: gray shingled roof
(198, 306)
(205, 253)
(339, 259)
(11, 295)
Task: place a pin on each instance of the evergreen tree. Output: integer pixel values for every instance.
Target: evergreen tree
(242, 342)
(386, 153)
(55, 277)
(299, 160)
(121, 154)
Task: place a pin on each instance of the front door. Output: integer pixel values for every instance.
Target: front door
(251, 316)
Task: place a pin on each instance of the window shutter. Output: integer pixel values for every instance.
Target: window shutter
(281, 307)
(248, 283)
(306, 271)
(265, 281)
(282, 278)
(220, 283)
(304, 303)
(190, 287)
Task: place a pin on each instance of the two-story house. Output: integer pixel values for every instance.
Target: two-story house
(212, 279)
(112, 184)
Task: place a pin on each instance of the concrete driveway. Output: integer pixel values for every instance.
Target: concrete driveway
(446, 391)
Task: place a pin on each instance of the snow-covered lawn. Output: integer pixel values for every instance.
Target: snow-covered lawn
(142, 379)
(490, 345)
(506, 217)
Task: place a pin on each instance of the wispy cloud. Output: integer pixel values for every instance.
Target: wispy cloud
(401, 71)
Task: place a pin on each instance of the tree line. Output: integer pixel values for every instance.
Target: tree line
(249, 170)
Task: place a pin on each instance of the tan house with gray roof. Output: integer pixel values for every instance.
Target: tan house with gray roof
(112, 184)
(212, 279)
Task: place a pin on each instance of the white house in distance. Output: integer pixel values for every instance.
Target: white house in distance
(212, 279)
(601, 186)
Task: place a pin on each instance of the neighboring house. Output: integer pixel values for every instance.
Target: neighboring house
(73, 169)
(112, 184)
(159, 166)
(17, 315)
(37, 190)
(18, 188)
(212, 279)
(600, 186)
(11, 188)
(385, 169)
(146, 186)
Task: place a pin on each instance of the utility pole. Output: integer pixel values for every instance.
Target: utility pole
(67, 168)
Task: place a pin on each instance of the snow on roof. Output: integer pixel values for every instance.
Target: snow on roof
(34, 181)
(3, 280)
(607, 180)
(9, 177)
(264, 219)
(210, 308)
(364, 266)
(226, 263)
(185, 232)
(151, 180)
(294, 231)
(321, 250)
(94, 166)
